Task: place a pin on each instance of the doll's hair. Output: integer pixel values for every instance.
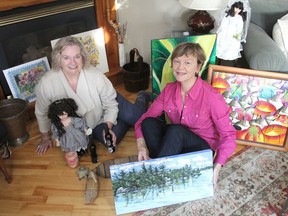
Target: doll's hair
(239, 5)
(57, 108)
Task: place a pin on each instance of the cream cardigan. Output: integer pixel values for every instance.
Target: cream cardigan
(95, 97)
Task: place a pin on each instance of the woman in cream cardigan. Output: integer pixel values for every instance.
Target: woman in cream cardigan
(98, 102)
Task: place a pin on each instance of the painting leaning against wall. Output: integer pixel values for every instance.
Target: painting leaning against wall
(258, 102)
(161, 50)
(23, 78)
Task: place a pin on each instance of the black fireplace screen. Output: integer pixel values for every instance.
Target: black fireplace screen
(29, 40)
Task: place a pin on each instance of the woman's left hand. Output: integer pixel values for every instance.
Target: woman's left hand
(114, 138)
(216, 172)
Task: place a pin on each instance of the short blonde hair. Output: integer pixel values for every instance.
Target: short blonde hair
(188, 48)
(60, 45)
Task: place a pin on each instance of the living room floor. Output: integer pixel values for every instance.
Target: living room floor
(45, 185)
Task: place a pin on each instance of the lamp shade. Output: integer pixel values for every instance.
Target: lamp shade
(204, 4)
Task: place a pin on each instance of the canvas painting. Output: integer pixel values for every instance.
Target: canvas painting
(258, 103)
(94, 43)
(23, 78)
(163, 181)
(161, 50)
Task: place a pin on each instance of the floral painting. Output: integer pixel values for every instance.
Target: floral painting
(163, 181)
(23, 78)
(258, 104)
(94, 43)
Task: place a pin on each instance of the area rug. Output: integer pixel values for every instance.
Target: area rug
(253, 182)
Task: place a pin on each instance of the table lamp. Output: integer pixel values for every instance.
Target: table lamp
(201, 22)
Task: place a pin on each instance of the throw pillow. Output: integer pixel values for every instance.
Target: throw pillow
(280, 34)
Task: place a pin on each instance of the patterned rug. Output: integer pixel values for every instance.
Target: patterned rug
(253, 182)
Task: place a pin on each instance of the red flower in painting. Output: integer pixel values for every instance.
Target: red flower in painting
(27, 80)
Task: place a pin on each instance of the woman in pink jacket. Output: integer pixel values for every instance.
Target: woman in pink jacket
(198, 114)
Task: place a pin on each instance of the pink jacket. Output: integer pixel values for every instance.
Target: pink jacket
(205, 112)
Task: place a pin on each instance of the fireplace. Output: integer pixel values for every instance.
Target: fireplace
(25, 33)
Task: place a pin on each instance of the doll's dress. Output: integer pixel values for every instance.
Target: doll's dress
(229, 45)
(74, 139)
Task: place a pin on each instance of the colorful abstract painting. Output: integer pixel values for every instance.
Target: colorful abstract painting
(23, 78)
(94, 43)
(161, 54)
(258, 104)
(163, 181)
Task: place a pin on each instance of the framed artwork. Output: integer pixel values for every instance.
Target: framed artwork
(161, 50)
(258, 102)
(94, 43)
(163, 181)
(23, 78)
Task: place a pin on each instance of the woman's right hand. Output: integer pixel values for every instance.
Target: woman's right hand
(44, 145)
(143, 153)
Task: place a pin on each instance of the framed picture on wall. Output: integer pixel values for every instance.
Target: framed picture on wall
(163, 181)
(23, 78)
(94, 43)
(258, 102)
(161, 50)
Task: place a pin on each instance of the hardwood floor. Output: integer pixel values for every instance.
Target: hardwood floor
(45, 185)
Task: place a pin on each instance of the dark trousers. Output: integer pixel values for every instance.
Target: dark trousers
(170, 139)
(128, 115)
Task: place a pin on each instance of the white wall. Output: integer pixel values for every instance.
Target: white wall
(151, 19)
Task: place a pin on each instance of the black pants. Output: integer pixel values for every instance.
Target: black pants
(128, 115)
(170, 139)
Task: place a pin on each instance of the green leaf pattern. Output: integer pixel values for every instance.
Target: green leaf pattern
(161, 58)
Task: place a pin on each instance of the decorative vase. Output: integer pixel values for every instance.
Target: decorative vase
(72, 159)
(122, 59)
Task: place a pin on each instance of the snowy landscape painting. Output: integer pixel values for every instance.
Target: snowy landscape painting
(163, 181)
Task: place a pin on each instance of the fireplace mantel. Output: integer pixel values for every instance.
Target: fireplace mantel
(9, 5)
(114, 74)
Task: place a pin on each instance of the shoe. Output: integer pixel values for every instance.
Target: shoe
(81, 153)
(143, 99)
(145, 96)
